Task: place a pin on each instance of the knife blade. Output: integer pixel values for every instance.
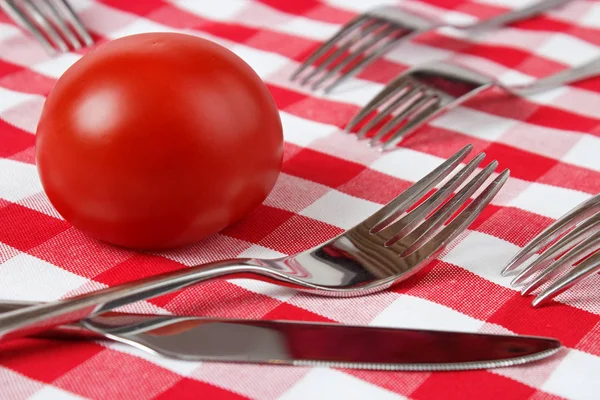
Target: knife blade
(314, 344)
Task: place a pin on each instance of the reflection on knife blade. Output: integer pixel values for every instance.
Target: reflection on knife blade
(302, 343)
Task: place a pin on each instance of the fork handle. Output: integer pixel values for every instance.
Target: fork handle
(514, 16)
(38, 318)
(560, 78)
(67, 331)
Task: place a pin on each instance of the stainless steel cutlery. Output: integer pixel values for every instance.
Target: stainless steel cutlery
(386, 248)
(53, 23)
(371, 34)
(575, 241)
(308, 344)
(421, 93)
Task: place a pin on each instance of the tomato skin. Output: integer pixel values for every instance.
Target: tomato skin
(158, 140)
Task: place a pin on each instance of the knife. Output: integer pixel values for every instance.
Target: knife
(309, 344)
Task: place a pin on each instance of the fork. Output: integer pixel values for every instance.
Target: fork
(582, 240)
(53, 23)
(368, 36)
(421, 93)
(387, 247)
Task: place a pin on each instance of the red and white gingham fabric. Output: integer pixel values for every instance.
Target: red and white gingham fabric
(551, 143)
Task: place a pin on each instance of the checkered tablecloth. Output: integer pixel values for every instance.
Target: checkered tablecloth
(329, 182)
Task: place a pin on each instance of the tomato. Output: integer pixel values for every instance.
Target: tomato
(158, 140)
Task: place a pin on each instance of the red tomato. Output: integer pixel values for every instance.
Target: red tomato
(158, 140)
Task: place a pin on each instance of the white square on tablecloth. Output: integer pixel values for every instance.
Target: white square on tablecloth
(184, 368)
(585, 153)
(514, 77)
(360, 5)
(17, 386)
(255, 381)
(477, 246)
(580, 101)
(592, 16)
(475, 123)
(548, 96)
(549, 142)
(54, 393)
(327, 384)
(406, 164)
(81, 5)
(257, 251)
(416, 313)
(212, 248)
(416, 53)
(28, 278)
(280, 293)
(576, 377)
(262, 62)
(302, 131)
(340, 209)
(305, 27)
(19, 180)
(7, 31)
(458, 18)
(353, 91)
(104, 20)
(568, 50)
(547, 200)
(222, 10)
(40, 202)
(56, 66)
(509, 3)
(10, 99)
(294, 194)
(139, 25)
(26, 114)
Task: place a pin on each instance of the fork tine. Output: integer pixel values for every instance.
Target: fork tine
(391, 89)
(427, 112)
(72, 17)
(586, 268)
(410, 196)
(570, 219)
(418, 215)
(62, 26)
(39, 17)
(348, 28)
(366, 61)
(403, 98)
(578, 234)
(419, 100)
(429, 228)
(356, 53)
(341, 50)
(22, 19)
(461, 222)
(570, 257)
